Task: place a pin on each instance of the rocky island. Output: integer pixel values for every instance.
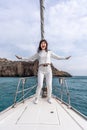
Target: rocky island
(10, 68)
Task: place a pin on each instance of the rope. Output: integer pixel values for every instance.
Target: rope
(29, 90)
(63, 89)
(42, 17)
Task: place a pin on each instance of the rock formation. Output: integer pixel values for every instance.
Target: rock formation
(10, 68)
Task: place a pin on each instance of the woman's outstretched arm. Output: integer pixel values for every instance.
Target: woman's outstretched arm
(32, 58)
(53, 55)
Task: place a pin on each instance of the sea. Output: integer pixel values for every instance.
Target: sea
(77, 89)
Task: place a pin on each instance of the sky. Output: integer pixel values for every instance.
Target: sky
(65, 31)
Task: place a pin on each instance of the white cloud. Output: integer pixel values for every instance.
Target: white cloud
(19, 21)
(67, 33)
(67, 21)
(65, 30)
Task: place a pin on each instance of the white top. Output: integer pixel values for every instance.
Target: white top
(44, 57)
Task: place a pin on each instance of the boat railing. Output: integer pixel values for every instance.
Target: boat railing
(63, 90)
(24, 91)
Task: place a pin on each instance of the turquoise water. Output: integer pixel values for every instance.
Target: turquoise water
(77, 88)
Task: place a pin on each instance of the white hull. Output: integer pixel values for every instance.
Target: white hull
(41, 116)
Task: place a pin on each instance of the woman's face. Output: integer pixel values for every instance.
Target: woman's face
(43, 45)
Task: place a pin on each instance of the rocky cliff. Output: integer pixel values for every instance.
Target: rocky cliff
(21, 68)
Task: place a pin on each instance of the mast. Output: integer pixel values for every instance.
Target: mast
(42, 8)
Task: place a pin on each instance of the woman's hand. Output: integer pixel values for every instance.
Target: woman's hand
(67, 57)
(18, 57)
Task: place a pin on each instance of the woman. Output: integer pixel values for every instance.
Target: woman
(44, 70)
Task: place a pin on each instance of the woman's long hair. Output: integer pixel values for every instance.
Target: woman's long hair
(39, 48)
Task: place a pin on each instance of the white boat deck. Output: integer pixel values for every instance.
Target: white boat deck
(41, 116)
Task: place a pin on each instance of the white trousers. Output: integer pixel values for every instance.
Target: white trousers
(47, 73)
